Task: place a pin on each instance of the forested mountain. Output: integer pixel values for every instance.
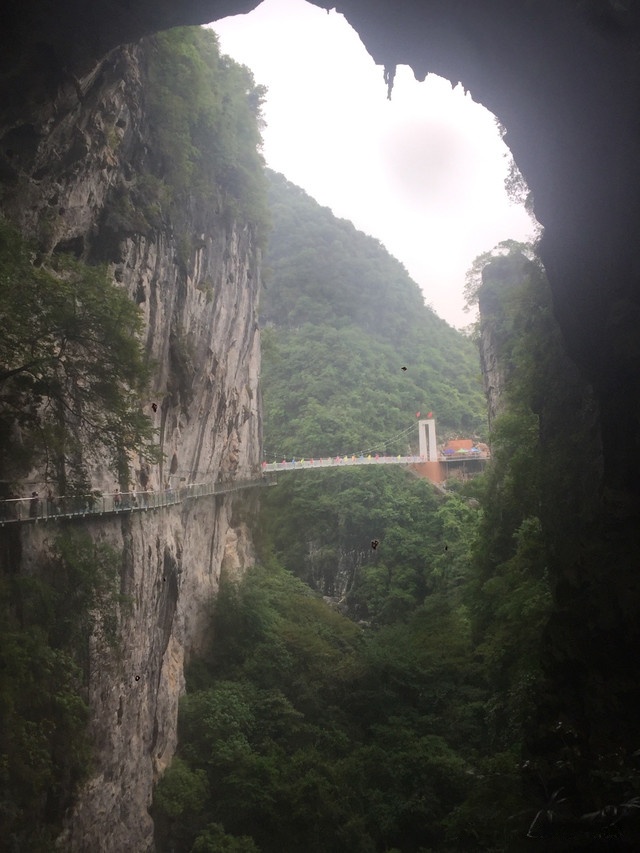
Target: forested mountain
(342, 319)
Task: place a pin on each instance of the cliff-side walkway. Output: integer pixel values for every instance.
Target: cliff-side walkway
(53, 508)
(36, 508)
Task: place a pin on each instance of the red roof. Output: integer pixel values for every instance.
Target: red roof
(459, 444)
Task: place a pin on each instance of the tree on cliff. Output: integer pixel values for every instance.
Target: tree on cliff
(204, 113)
(73, 369)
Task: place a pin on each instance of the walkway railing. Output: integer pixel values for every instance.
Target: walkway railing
(340, 461)
(96, 504)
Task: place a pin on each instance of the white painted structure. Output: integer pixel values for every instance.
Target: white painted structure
(427, 447)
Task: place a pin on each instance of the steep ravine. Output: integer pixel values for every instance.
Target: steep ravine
(201, 332)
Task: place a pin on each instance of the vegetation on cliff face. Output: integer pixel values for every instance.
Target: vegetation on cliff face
(543, 625)
(47, 622)
(73, 369)
(204, 116)
(73, 375)
(537, 629)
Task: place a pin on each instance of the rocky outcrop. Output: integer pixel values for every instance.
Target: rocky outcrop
(498, 278)
(172, 561)
(492, 373)
(69, 178)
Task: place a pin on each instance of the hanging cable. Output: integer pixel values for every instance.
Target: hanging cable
(381, 445)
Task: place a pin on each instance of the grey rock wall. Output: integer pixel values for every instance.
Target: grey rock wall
(68, 164)
(493, 377)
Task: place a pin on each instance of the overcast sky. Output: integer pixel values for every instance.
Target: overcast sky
(423, 172)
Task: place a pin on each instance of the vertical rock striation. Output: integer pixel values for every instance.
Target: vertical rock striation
(71, 168)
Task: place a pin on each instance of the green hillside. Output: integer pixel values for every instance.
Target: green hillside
(341, 319)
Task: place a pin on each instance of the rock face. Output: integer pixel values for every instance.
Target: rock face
(73, 164)
(67, 185)
(172, 561)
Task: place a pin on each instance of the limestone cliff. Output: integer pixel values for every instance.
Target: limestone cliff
(72, 167)
(498, 278)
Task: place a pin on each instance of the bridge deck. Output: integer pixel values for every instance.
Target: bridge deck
(94, 505)
(342, 461)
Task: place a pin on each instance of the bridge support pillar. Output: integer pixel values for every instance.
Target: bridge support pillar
(427, 446)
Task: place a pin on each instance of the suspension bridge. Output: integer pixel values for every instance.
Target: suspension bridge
(431, 463)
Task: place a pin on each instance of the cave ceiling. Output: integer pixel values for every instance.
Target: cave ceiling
(561, 75)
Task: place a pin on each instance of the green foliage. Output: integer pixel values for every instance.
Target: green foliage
(214, 839)
(342, 318)
(383, 737)
(73, 367)
(316, 735)
(339, 512)
(46, 623)
(543, 553)
(533, 499)
(204, 115)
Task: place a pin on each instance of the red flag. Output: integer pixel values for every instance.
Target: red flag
(417, 414)
(430, 415)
